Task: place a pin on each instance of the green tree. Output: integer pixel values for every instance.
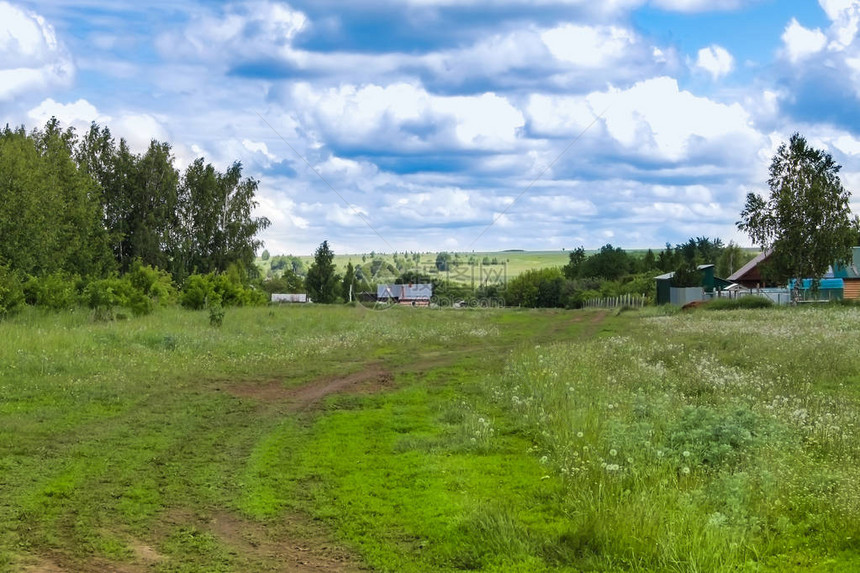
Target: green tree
(218, 228)
(443, 261)
(608, 263)
(806, 221)
(265, 256)
(731, 259)
(322, 281)
(686, 275)
(573, 268)
(349, 287)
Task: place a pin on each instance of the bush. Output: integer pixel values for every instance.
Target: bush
(197, 291)
(103, 295)
(746, 302)
(57, 291)
(11, 291)
(154, 284)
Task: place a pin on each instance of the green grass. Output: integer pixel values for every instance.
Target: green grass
(506, 440)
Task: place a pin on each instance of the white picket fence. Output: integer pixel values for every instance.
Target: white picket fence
(629, 300)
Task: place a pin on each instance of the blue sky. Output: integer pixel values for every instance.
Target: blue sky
(457, 124)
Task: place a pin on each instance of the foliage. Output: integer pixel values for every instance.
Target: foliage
(216, 314)
(536, 288)
(55, 291)
(322, 281)
(49, 211)
(805, 222)
(574, 268)
(609, 263)
(349, 286)
(686, 275)
(288, 282)
(11, 291)
(89, 206)
(232, 288)
(731, 259)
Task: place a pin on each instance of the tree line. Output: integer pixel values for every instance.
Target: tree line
(87, 207)
(90, 206)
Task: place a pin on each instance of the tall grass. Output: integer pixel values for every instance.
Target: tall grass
(700, 442)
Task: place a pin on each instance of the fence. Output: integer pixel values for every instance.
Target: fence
(629, 300)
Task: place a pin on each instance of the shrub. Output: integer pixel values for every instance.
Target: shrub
(57, 291)
(11, 291)
(197, 291)
(154, 284)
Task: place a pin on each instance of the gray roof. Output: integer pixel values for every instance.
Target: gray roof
(738, 274)
(418, 291)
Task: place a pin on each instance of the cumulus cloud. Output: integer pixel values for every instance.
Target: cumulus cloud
(801, 42)
(31, 56)
(654, 118)
(406, 117)
(138, 129)
(588, 46)
(715, 60)
(240, 30)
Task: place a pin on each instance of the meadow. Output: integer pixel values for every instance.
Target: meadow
(510, 263)
(307, 438)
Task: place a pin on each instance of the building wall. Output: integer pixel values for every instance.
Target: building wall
(851, 289)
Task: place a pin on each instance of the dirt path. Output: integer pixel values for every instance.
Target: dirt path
(373, 378)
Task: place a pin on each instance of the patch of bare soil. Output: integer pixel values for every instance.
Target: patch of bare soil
(300, 552)
(66, 565)
(372, 379)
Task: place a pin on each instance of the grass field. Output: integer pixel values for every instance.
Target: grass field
(512, 263)
(341, 439)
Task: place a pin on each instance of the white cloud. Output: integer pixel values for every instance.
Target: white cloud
(801, 42)
(138, 129)
(654, 118)
(78, 114)
(845, 15)
(31, 57)
(249, 29)
(716, 61)
(405, 116)
(587, 46)
(258, 147)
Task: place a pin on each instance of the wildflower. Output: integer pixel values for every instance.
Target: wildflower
(579, 434)
(613, 452)
(480, 420)
(685, 470)
(659, 453)
(544, 460)
(474, 440)
(613, 467)
(629, 460)
(686, 454)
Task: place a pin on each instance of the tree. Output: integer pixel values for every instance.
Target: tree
(731, 259)
(806, 222)
(573, 269)
(349, 285)
(322, 281)
(443, 261)
(265, 256)
(608, 263)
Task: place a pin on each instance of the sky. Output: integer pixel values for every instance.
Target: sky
(427, 125)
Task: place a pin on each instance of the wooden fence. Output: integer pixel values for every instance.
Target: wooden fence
(629, 300)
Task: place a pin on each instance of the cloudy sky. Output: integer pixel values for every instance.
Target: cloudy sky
(457, 124)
